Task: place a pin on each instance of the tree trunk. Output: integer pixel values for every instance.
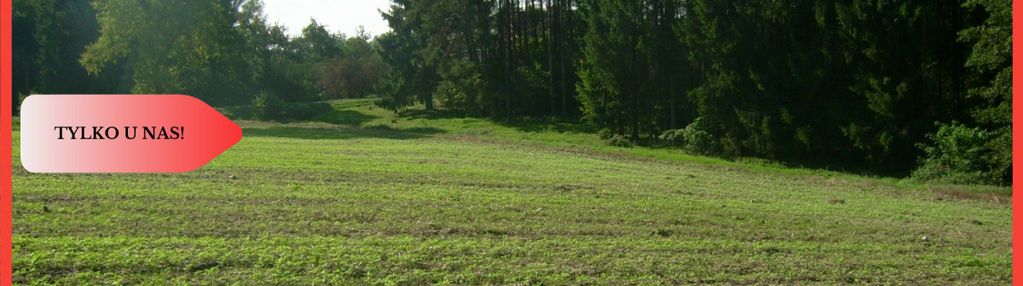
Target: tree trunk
(671, 99)
(550, 56)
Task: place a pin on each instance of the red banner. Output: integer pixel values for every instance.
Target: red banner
(121, 133)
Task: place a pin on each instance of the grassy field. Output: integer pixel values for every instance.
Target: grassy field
(364, 197)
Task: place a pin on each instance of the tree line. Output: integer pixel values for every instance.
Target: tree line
(919, 88)
(892, 87)
(224, 52)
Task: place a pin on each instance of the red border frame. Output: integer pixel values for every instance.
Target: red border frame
(6, 224)
(1017, 144)
(6, 231)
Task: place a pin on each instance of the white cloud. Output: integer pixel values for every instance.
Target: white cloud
(337, 15)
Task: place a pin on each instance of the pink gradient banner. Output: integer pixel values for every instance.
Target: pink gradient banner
(121, 133)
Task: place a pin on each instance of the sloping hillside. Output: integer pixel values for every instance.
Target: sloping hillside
(362, 196)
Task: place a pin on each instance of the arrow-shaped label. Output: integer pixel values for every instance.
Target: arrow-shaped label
(121, 133)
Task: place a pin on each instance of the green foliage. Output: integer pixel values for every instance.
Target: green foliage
(699, 140)
(353, 76)
(318, 44)
(49, 36)
(673, 137)
(695, 138)
(277, 65)
(414, 76)
(462, 87)
(611, 77)
(193, 49)
(851, 84)
(990, 61)
(19, 99)
(507, 59)
(266, 106)
(618, 140)
(990, 83)
(957, 154)
(605, 134)
(220, 51)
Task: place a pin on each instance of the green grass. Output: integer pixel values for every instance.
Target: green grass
(364, 197)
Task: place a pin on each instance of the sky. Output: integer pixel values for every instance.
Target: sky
(338, 15)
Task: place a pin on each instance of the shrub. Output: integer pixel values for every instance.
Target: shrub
(20, 99)
(605, 134)
(695, 138)
(453, 95)
(699, 141)
(957, 154)
(305, 111)
(387, 103)
(266, 106)
(618, 140)
(674, 137)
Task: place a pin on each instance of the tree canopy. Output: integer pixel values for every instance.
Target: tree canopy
(885, 87)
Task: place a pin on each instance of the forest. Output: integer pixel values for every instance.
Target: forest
(917, 89)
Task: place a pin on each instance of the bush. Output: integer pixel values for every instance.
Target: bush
(266, 106)
(305, 111)
(693, 139)
(272, 108)
(387, 103)
(455, 96)
(618, 140)
(674, 137)
(699, 141)
(20, 99)
(461, 87)
(605, 134)
(958, 154)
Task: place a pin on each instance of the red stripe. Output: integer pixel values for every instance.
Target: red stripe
(6, 22)
(1017, 147)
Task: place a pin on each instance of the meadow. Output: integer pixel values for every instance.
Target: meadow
(361, 196)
